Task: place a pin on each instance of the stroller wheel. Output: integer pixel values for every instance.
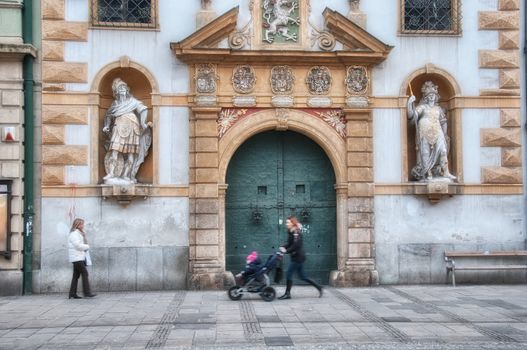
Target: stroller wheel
(268, 294)
(235, 293)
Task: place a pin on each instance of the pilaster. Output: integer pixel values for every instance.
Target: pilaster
(359, 265)
(207, 267)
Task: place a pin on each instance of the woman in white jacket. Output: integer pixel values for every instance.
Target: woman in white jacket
(77, 248)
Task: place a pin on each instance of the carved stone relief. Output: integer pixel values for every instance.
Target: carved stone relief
(335, 119)
(319, 80)
(280, 21)
(357, 80)
(326, 41)
(282, 80)
(243, 79)
(227, 118)
(282, 115)
(206, 78)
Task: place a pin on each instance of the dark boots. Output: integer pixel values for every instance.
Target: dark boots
(287, 294)
(317, 286)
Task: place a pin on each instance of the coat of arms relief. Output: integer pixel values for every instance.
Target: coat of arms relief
(282, 80)
(206, 78)
(280, 21)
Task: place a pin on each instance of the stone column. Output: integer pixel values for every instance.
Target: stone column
(206, 270)
(360, 264)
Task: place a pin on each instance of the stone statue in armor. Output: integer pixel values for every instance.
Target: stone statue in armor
(431, 138)
(129, 136)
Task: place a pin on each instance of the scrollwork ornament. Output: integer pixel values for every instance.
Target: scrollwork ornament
(282, 80)
(241, 38)
(357, 80)
(326, 41)
(206, 78)
(237, 41)
(243, 79)
(319, 80)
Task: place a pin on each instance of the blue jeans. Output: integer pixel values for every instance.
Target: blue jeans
(297, 267)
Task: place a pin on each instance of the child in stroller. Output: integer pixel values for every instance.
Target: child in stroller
(255, 278)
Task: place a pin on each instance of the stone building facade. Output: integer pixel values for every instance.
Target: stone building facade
(13, 49)
(225, 82)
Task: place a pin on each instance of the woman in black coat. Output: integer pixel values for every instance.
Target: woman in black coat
(295, 248)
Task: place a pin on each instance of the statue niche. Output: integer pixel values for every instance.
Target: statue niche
(129, 136)
(432, 142)
(125, 128)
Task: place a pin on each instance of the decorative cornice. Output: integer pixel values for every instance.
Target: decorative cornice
(365, 48)
(11, 4)
(17, 51)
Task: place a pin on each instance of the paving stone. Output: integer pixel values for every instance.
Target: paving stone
(397, 317)
(278, 341)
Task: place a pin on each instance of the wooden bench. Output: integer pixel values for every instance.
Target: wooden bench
(450, 259)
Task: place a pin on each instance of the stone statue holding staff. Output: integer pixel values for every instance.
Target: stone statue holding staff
(431, 138)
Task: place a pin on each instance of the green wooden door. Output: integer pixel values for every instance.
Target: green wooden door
(271, 176)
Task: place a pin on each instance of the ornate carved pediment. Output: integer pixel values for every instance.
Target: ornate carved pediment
(356, 46)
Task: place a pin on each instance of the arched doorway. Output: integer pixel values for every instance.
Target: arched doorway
(274, 175)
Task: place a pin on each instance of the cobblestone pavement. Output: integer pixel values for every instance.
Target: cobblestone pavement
(378, 318)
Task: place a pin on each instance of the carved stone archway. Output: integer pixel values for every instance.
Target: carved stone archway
(302, 122)
(346, 136)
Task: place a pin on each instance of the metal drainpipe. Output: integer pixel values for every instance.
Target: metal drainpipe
(29, 125)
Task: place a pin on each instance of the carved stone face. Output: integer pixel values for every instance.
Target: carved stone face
(431, 99)
(121, 92)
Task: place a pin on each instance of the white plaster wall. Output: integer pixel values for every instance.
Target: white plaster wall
(456, 55)
(150, 242)
(411, 234)
(387, 145)
(109, 224)
(173, 154)
(475, 156)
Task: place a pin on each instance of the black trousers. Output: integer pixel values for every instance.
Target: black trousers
(79, 269)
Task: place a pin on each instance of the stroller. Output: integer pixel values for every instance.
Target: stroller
(259, 282)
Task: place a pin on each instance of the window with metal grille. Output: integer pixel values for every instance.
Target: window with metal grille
(124, 13)
(439, 17)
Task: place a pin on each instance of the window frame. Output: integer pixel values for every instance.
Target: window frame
(456, 28)
(8, 185)
(95, 23)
